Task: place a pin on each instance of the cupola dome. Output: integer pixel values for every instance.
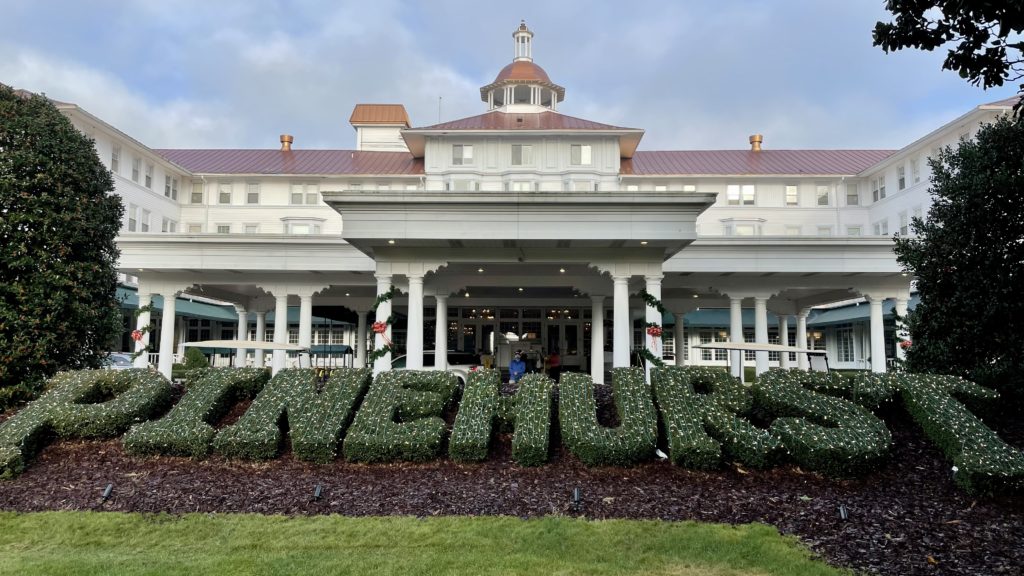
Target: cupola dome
(522, 86)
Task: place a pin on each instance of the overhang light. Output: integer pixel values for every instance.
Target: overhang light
(643, 242)
(520, 289)
(480, 270)
(391, 241)
(562, 270)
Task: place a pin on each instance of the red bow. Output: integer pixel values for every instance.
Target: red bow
(136, 335)
(382, 328)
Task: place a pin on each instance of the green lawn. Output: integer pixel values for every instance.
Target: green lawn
(112, 543)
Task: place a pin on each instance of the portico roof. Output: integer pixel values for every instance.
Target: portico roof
(748, 162)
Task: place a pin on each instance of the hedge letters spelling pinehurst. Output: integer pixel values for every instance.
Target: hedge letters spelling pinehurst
(701, 416)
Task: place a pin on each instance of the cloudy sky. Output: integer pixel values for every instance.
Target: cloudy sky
(694, 74)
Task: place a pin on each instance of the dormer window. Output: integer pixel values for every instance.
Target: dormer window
(580, 155)
(522, 155)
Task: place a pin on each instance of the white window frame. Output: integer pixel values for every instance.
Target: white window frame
(133, 218)
(792, 230)
(824, 231)
(198, 190)
(852, 193)
(252, 188)
(168, 226)
(581, 155)
(854, 231)
(822, 191)
(524, 153)
(901, 177)
(462, 154)
(223, 228)
(115, 158)
(149, 175)
(136, 169)
(252, 228)
(225, 188)
(904, 220)
(144, 220)
(915, 169)
(792, 195)
(194, 228)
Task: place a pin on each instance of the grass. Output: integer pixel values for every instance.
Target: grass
(58, 543)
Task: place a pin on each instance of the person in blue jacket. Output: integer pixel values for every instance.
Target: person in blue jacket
(516, 368)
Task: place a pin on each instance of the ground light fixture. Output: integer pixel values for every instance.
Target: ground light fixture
(577, 497)
(843, 514)
(317, 492)
(106, 492)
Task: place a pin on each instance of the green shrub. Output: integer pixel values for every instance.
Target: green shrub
(868, 389)
(820, 432)
(532, 408)
(633, 441)
(316, 419)
(187, 429)
(81, 404)
(474, 424)
(401, 417)
(699, 426)
(984, 463)
(195, 359)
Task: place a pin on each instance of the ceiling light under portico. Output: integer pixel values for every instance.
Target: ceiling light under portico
(391, 241)
(561, 270)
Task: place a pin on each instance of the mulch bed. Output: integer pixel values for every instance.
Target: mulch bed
(906, 518)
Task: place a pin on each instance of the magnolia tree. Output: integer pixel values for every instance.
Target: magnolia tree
(968, 258)
(58, 221)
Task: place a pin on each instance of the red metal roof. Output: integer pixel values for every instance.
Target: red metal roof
(523, 71)
(294, 162)
(379, 114)
(721, 162)
(521, 121)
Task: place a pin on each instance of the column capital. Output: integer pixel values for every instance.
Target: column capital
(383, 278)
(653, 278)
(414, 278)
(597, 298)
(441, 297)
(239, 309)
(621, 278)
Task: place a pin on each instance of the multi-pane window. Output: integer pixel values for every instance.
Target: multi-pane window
(882, 228)
(852, 194)
(520, 186)
(463, 185)
(252, 228)
(917, 212)
(195, 228)
(792, 230)
(632, 188)
(824, 230)
(169, 226)
(302, 228)
(844, 343)
(115, 159)
(462, 154)
(580, 155)
(168, 188)
(133, 222)
(740, 195)
(878, 188)
(308, 194)
(689, 187)
(901, 177)
(252, 193)
(197, 193)
(904, 224)
(144, 221)
(744, 230)
(224, 193)
(821, 193)
(853, 231)
(136, 169)
(522, 155)
(223, 228)
(915, 169)
(660, 188)
(149, 175)
(582, 186)
(792, 195)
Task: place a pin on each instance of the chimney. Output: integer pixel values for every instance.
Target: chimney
(755, 142)
(286, 142)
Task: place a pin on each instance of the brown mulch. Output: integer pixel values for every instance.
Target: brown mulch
(906, 518)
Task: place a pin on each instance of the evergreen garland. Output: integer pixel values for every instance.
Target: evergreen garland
(388, 347)
(652, 327)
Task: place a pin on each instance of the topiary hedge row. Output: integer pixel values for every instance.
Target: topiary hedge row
(634, 440)
(316, 419)
(82, 404)
(820, 432)
(868, 389)
(701, 425)
(400, 418)
(187, 429)
(983, 462)
(532, 408)
(474, 424)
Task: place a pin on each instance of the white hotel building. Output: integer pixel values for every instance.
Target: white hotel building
(522, 220)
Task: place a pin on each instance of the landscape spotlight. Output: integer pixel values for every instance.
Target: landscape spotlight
(577, 496)
(843, 514)
(317, 491)
(106, 492)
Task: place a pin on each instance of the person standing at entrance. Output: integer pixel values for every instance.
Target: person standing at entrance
(516, 368)
(555, 365)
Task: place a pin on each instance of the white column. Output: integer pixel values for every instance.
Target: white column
(305, 327)
(679, 338)
(261, 336)
(652, 316)
(360, 339)
(621, 323)
(801, 338)
(784, 340)
(441, 333)
(736, 335)
(597, 339)
(166, 362)
(901, 327)
(877, 335)
(761, 333)
(142, 360)
(382, 363)
(242, 334)
(414, 331)
(280, 331)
